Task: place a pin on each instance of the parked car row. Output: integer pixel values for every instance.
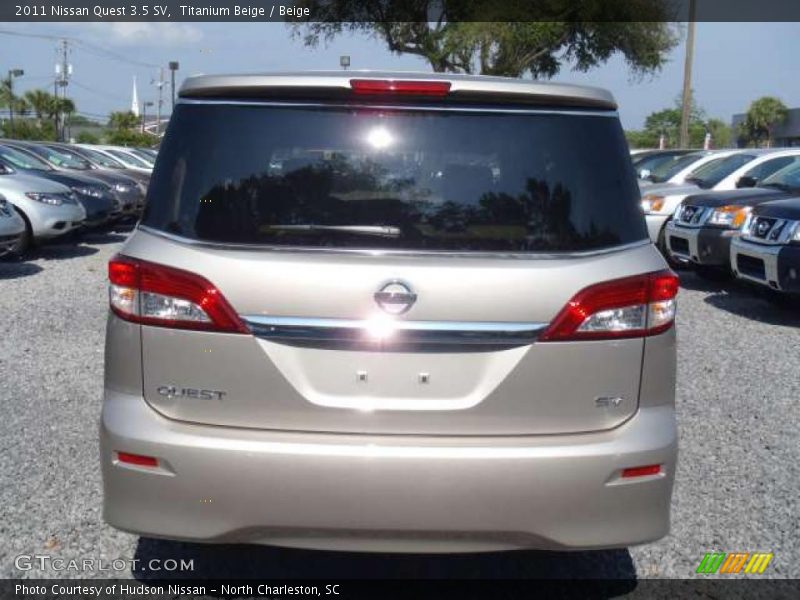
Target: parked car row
(50, 189)
(747, 224)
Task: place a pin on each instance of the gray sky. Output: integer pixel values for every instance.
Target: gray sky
(734, 62)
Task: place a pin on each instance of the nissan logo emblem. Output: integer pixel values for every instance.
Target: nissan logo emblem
(395, 297)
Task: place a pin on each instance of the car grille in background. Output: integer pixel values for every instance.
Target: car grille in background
(751, 266)
(679, 245)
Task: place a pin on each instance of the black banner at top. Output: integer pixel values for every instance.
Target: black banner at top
(418, 11)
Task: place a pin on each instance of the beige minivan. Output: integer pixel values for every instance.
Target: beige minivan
(391, 312)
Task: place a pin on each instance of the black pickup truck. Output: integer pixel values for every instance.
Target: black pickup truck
(704, 224)
(768, 250)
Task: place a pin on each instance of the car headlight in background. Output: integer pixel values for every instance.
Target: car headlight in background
(732, 216)
(122, 188)
(652, 203)
(795, 237)
(45, 198)
(88, 191)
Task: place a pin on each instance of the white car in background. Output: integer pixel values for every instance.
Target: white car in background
(681, 167)
(127, 158)
(724, 171)
(11, 227)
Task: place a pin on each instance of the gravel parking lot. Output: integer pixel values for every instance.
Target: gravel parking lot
(738, 484)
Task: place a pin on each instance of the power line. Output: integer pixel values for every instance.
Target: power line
(89, 48)
(98, 92)
(111, 55)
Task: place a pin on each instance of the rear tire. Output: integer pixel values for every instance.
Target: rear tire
(713, 273)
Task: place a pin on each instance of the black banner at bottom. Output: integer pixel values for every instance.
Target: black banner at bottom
(349, 589)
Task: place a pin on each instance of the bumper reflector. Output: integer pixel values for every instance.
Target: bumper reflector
(641, 471)
(137, 459)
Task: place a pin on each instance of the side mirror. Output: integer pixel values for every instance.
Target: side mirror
(644, 173)
(746, 181)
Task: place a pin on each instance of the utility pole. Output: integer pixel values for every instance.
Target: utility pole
(173, 66)
(11, 74)
(160, 85)
(63, 73)
(144, 114)
(686, 108)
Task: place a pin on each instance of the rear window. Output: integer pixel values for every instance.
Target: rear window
(409, 179)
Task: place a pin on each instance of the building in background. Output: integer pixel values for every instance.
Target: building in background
(786, 134)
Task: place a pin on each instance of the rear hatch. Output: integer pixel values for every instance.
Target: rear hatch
(393, 266)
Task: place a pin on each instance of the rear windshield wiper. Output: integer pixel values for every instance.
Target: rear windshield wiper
(374, 230)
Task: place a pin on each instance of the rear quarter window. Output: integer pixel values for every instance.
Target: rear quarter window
(398, 178)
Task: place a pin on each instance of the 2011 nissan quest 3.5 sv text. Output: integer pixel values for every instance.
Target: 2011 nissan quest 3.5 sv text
(391, 312)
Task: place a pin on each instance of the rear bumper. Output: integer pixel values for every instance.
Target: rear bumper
(700, 245)
(386, 493)
(776, 267)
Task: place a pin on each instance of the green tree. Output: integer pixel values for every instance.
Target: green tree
(721, 133)
(641, 139)
(761, 119)
(667, 122)
(42, 103)
(87, 137)
(27, 129)
(124, 130)
(123, 120)
(533, 38)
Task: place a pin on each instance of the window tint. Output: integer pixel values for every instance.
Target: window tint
(711, 173)
(671, 168)
(768, 167)
(404, 179)
(60, 159)
(23, 160)
(788, 176)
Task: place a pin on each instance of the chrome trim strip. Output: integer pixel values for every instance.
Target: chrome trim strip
(394, 331)
(385, 252)
(583, 112)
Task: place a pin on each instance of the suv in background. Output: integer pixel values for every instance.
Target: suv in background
(393, 313)
(768, 251)
(727, 170)
(705, 224)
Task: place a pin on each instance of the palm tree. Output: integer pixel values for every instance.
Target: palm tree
(763, 116)
(42, 103)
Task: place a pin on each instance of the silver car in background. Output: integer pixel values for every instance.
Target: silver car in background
(391, 312)
(48, 209)
(12, 227)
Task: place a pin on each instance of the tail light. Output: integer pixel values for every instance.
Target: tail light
(622, 308)
(399, 88)
(153, 294)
